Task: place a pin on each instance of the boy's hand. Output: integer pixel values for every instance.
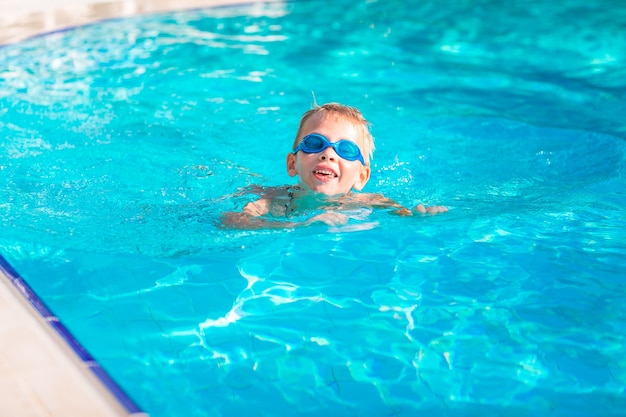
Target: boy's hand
(331, 218)
(403, 212)
(420, 208)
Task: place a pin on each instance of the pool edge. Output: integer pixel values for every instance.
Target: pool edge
(34, 17)
(100, 395)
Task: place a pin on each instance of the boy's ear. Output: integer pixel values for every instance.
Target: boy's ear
(291, 165)
(364, 177)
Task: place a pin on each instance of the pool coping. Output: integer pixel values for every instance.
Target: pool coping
(56, 342)
(20, 20)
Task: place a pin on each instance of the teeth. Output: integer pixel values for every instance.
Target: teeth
(324, 172)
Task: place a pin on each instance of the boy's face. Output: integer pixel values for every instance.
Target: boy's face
(325, 172)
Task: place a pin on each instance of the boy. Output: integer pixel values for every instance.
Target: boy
(331, 155)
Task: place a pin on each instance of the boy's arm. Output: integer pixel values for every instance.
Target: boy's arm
(380, 201)
(243, 221)
(251, 218)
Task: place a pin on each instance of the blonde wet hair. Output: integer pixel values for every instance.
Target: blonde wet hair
(348, 113)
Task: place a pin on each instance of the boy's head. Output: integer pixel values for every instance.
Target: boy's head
(347, 113)
(338, 166)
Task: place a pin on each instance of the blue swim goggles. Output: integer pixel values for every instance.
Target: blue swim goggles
(315, 143)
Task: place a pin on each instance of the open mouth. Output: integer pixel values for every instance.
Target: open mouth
(325, 174)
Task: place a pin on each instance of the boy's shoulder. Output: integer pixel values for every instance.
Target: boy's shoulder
(370, 199)
(272, 200)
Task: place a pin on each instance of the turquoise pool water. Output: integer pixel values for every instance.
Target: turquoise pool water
(122, 142)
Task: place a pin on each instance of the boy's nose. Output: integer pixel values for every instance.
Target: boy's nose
(328, 154)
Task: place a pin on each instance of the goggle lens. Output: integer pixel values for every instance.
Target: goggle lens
(315, 143)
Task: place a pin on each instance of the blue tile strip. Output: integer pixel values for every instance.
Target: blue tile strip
(127, 403)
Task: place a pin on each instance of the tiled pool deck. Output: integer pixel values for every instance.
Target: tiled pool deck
(41, 373)
(22, 18)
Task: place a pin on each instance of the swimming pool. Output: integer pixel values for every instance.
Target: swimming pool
(123, 142)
